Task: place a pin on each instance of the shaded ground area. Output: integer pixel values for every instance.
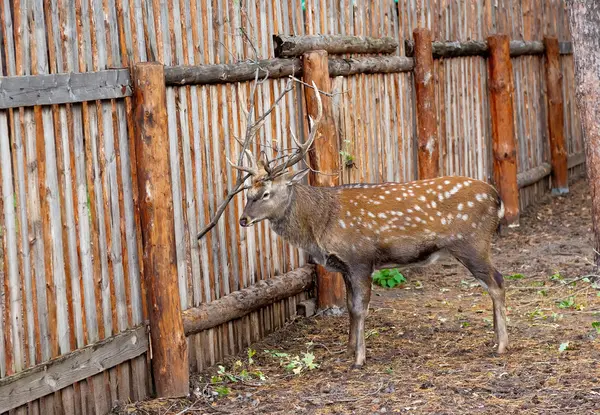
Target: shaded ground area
(430, 342)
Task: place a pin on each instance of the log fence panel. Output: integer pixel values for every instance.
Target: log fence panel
(86, 284)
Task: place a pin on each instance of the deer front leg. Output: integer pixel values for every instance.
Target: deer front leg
(359, 307)
(352, 328)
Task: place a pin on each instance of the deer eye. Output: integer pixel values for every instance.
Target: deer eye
(265, 195)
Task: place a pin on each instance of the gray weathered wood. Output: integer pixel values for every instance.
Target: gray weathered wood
(23, 91)
(370, 65)
(243, 302)
(306, 308)
(480, 48)
(533, 175)
(451, 49)
(281, 68)
(575, 160)
(287, 46)
(565, 48)
(520, 48)
(58, 373)
(235, 72)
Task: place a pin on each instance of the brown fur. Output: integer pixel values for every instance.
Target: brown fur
(356, 229)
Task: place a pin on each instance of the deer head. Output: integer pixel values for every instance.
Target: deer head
(268, 198)
(271, 188)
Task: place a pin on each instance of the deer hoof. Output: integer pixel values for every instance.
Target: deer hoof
(356, 366)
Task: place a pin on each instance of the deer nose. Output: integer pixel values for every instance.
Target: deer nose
(243, 221)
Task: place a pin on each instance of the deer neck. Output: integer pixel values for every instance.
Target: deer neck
(306, 217)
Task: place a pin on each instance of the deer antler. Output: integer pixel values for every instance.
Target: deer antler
(253, 169)
(302, 148)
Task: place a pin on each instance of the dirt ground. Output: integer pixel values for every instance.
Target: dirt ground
(430, 342)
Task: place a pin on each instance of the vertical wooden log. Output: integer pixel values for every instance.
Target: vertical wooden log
(169, 347)
(324, 157)
(584, 19)
(503, 127)
(427, 131)
(560, 172)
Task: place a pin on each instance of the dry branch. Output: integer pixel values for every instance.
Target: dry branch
(287, 46)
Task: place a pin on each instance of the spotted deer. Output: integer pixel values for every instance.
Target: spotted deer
(356, 229)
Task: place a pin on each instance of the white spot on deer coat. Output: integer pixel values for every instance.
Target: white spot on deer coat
(443, 221)
(460, 206)
(382, 215)
(470, 204)
(465, 217)
(371, 214)
(342, 224)
(422, 198)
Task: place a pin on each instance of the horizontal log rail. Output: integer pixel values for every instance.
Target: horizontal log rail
(575, 160)
(480, 48)
(243, 302)
(63, 88)
(535, 174)
(287, 46)
(280, 68)
(55, 374)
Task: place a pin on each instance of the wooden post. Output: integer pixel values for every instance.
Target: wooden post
(584, 19)
(560, 171)
(169, 347)
(324, 157)
(427, 131)
(503, 129)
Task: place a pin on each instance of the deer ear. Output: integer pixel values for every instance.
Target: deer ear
(295, 177)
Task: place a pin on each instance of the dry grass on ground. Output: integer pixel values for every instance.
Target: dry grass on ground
(430, 342)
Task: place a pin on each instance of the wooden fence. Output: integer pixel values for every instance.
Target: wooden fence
(73, 279)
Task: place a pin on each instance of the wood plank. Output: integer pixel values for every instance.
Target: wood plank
(30, 90)
(63, 371)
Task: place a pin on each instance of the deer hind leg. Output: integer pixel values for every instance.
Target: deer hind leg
(479, 264)
(358, 306)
